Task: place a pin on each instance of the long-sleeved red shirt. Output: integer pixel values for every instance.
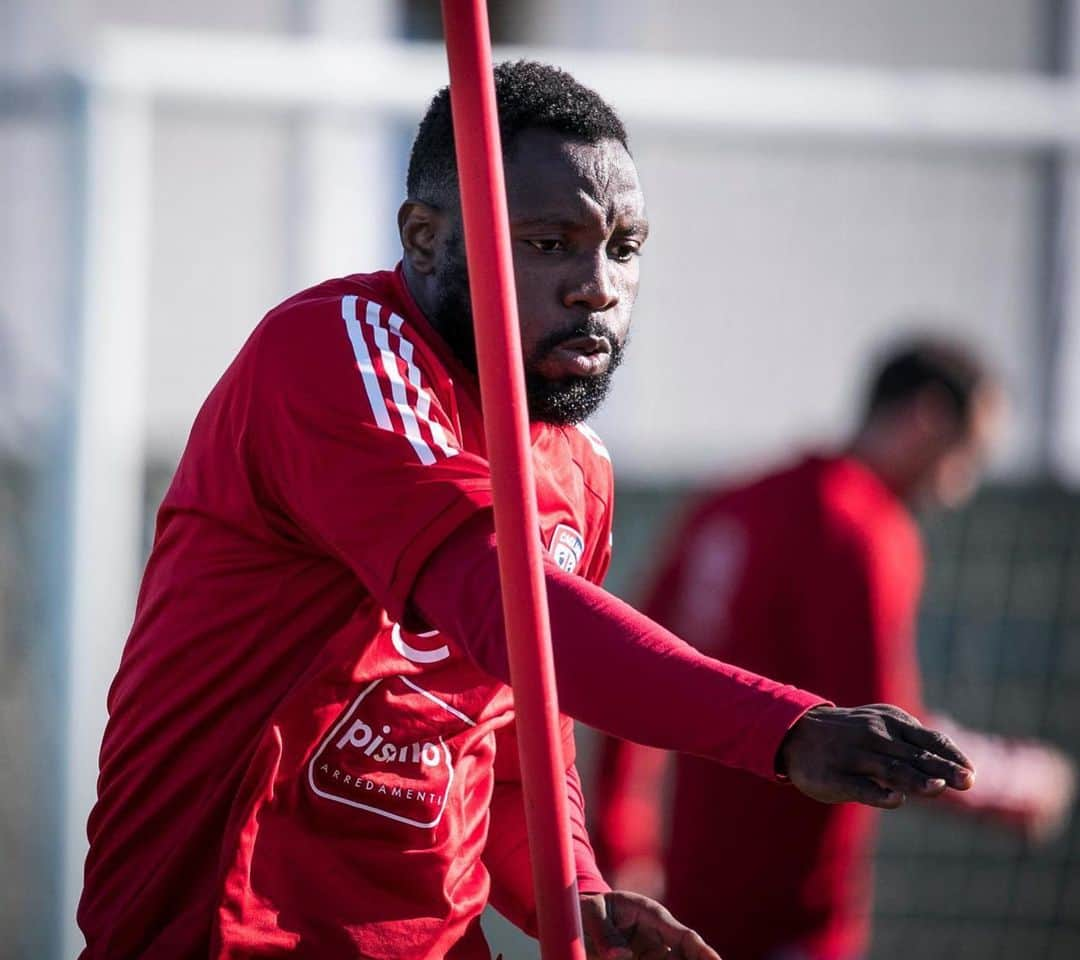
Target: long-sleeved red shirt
(296, 761)
(810, 575)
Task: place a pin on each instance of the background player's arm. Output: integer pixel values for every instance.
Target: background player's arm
(858, 629)
(629, 819)
(617, 925)
(506, 855)
(631, 779)
(1026, 785)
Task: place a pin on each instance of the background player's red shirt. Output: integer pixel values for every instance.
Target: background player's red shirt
(287, 766)
(811, 576)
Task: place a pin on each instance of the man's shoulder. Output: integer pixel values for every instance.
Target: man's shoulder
(859, 517)
(852, 496)
(782, 490)
(590, 453)
(586, 441)
(329, 302)
(360, 321)
(829, 487)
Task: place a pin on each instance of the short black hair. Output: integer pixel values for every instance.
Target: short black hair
(906, 370)
(529, 95)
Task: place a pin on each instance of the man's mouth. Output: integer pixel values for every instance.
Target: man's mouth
(586, 356)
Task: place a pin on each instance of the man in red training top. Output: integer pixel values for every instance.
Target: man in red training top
(812, 575)
(310, 748)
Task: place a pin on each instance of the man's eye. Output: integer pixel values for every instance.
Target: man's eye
(548, 245)
(624, 252)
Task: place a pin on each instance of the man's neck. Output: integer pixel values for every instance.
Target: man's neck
(420, 289)
(874, 449)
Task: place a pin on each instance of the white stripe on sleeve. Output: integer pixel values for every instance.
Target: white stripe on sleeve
(364, 364)
(385, 386)
(397, 387)
(423, 403)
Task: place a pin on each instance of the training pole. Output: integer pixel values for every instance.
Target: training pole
(506, 428)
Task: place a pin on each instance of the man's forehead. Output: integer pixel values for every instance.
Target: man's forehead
(551, 176)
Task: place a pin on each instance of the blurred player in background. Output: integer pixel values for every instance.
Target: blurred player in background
(812, 575)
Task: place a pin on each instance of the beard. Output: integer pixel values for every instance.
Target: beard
(562, 402)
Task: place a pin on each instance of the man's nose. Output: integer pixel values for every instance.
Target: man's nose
(593, 287)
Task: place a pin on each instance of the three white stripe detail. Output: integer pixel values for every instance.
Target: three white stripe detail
(363, 363)
(423, 403)
(411, 417)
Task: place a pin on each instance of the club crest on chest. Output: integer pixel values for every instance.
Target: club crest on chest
(567, 546)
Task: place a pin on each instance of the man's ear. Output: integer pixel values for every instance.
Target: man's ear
(423, 231)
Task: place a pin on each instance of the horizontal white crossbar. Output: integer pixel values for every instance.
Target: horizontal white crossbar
(677, 94)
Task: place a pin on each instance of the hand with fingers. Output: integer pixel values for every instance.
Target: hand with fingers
(877, 755)
(628, 926)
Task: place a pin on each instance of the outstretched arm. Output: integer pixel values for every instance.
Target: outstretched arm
(621, 672)
(631, 782)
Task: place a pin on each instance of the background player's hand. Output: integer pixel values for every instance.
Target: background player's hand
(1048, 790)
(629, 926)
(877, 755)
(1029, 787)
(1024, 784)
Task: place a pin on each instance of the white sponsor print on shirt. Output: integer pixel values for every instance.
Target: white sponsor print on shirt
(387, 753)
(421, 647)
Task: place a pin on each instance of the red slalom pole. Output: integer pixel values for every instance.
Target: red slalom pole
(506, 428)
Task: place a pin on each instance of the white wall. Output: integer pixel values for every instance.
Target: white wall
(782, 265)
(774, 272)
(965, 34)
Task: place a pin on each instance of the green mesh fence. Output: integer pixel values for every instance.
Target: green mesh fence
(1000, 650)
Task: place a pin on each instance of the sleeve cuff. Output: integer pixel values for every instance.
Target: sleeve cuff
(589, 879)
(789, 707)
(592, 883)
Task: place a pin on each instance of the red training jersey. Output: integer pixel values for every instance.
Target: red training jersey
(288, 768)
(811, 576)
